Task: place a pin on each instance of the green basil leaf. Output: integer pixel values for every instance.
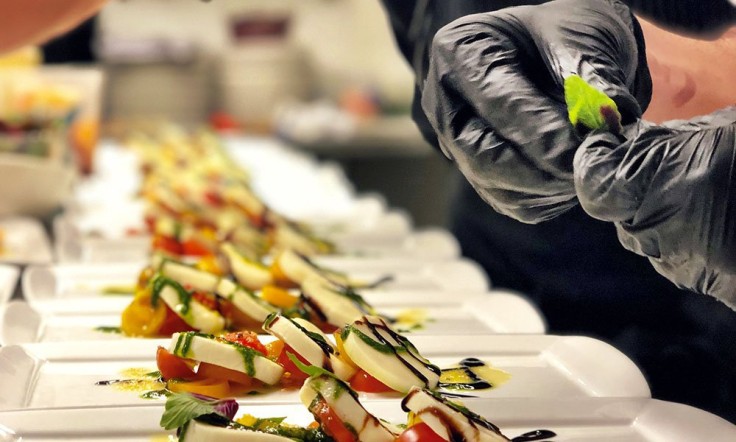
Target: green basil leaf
(311, 370)
(182, 408)
(589, 107)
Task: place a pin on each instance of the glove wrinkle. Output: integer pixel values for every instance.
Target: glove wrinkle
(668, 189)
(490, 68)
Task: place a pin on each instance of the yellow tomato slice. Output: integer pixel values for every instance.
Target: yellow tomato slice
(209, 264)
(274, 349)
(341, 350)
(141, 318)
(278, 296)
(278, 275)
(209, 387)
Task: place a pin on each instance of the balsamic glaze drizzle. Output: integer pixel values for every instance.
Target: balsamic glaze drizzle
(534, 435)
(399, 339)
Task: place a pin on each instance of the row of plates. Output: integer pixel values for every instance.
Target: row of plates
(51, 355)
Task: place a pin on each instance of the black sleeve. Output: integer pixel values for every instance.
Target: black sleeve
(399, 16)
(415, 43)
(693, 16)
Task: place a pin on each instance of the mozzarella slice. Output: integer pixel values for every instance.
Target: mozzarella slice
(201, 432)
(244, 301)
(199, 280)
(450, 421)
(189, 277)
(309, 342)
(387, 356)
(295, 267)
(336, 308)
(248, 238)
(298, 268)
(344, 403)
(249, 274)
(244, 198)
(288, 237)
(192, 312)
(236, 357)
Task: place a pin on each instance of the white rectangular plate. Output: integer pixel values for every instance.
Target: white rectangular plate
(25, 242)
(64, 374)
(8, 280)
(427, 245)
(595, 419)
(83, 280)
(97, 302)
(76, 320)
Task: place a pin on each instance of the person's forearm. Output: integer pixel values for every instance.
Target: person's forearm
(36, 21)
(690, 77)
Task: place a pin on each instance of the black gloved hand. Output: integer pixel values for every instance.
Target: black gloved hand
(671, 191)
(494, 95)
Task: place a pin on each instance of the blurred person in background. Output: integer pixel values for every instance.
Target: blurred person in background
(32, 22)
(489, 95)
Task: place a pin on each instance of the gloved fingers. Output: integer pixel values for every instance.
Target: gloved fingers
(526, 208)
(598, 43)
(502, 175)
(614, 87)
(475, 62)
(612, 175)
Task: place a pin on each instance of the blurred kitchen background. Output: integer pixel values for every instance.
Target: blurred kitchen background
(323, 75)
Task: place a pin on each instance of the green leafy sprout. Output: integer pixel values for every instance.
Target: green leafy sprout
(589, 108)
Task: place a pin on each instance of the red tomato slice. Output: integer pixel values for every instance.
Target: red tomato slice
(193, 247)
(237, 319)
(166, 244)
(331, 423)
(172, 366)
(247, 339)
(173, 323)
(150, 223)
(214, 198)
(215, 372)
(362, 381)
(206, 300)
(420, 432)
(296, 376)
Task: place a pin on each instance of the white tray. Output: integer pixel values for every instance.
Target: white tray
(115, 217)
(594, 419)
(65, 320)
(8, 280)
(25, 242)
(311, 185)
(426, 245)
(64, 374)
(74, 280)
(97, 302)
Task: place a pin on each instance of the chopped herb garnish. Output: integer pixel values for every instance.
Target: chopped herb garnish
(181, 408)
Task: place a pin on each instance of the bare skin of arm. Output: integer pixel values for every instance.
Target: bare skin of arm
(691, 76)
(24, 22)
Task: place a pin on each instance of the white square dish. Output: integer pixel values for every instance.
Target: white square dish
(52, 375)
(24, 242)
(82, 280)
(78, 319)
(596, 419)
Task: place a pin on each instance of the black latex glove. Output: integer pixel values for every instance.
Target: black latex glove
(671, 191)
(494, 95)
